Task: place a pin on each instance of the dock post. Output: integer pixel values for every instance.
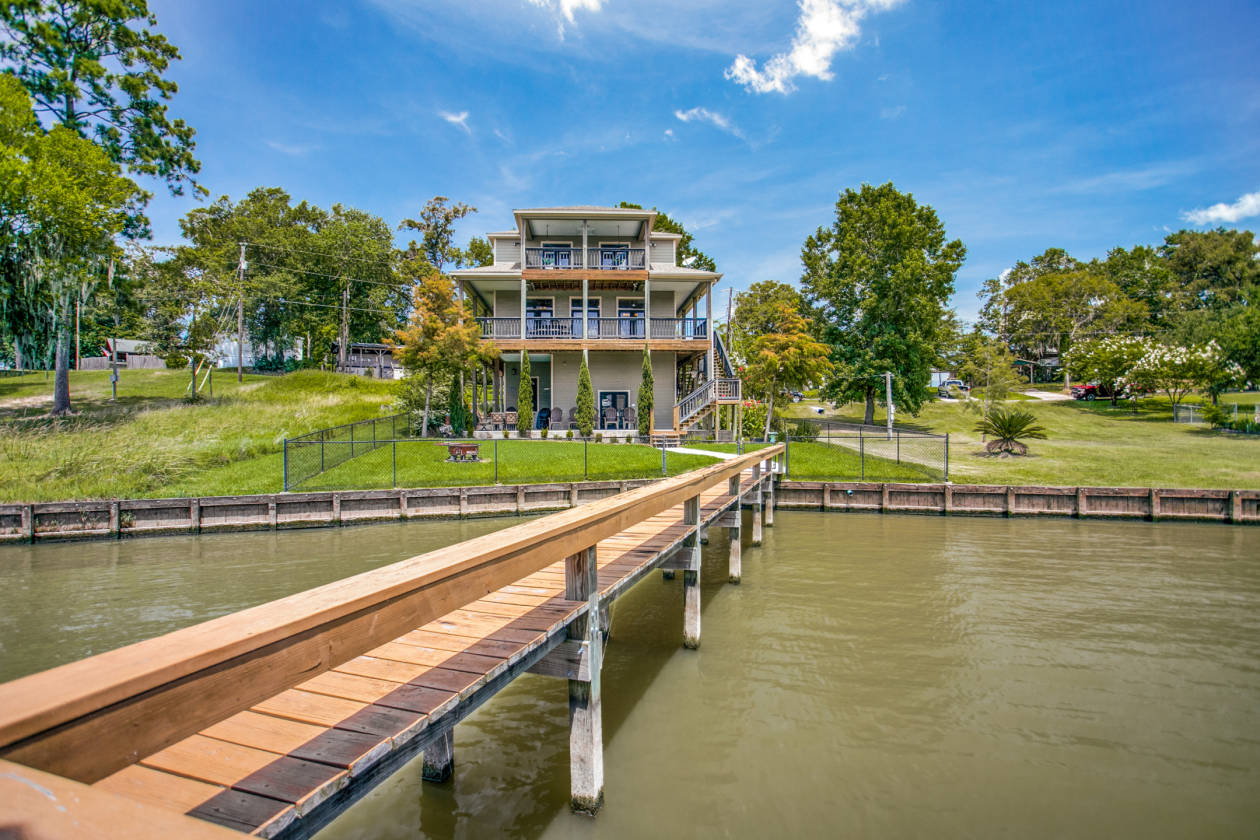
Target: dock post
(756, 519)
(586, 728)
(691, 575)
(734, 571)
(770, 501)
(438, 762)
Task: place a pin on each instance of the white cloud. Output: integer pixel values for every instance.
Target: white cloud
(892, 112)
(824, 28)
(1243, 208)
(564, 9)
(715, 119)
(669, 134)
(460, 119)
(293, 150)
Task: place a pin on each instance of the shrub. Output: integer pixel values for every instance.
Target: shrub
(585, 401)
(599, 438)
(647, 389)
(1009, 427)
(525, 397)
(569, 434)
(507, 433)
(544, 432)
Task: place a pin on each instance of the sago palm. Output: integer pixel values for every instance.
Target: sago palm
(1008, 427)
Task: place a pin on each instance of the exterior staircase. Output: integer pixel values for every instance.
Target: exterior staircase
(700, 404)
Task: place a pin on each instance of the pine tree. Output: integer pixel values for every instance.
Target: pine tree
(585, 401)
(525, 398)
(646, 391)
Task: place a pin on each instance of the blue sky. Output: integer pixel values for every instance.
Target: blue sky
(1082, 125)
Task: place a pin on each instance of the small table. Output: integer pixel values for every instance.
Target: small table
(463, 452)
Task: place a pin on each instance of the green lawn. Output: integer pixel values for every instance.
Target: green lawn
(422, 463)
(822, 461)
(1090, 443)
(152, 443)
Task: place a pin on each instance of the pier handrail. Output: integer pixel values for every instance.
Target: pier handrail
(85, 720)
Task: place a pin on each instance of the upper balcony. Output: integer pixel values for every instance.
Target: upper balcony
(569, 333)
(597, 259)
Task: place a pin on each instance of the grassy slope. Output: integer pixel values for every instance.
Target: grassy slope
(1090, 443)
(814, 461)
(151, 443)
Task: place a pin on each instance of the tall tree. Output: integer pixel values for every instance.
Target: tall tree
(436, 226)
(1056, 308)
(62, 203)
(525, 396)
(786, 356)
(686, 253)
(439, 340)
(759, 311)
(878, 279)
(1213, 268)
(97, 68)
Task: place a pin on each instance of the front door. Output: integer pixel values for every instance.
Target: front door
(614, 408)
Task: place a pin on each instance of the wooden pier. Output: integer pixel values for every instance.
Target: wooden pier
(274, 720)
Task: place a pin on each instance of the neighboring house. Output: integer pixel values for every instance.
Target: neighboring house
(367, 359)
(599, 281)
(126, 353)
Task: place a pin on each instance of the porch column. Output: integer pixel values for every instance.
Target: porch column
(522, 225)
(708, 327)
(586, 333)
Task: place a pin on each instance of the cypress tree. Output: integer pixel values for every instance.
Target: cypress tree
(525, 397)
(646, 396)
(585, 401)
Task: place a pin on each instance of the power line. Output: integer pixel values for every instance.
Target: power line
(332, 276)
(378, 261)
(335, 306)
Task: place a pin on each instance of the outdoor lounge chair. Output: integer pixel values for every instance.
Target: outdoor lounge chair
(573, 421)
(610, 418)
(557, 418)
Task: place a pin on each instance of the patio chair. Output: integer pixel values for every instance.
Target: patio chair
(610, 418)
(573, 423)
(543, 419)
(557, 418)
(509, 419)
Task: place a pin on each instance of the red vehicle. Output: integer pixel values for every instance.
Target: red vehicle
(1090, 391)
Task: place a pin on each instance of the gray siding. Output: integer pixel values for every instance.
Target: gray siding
(507, 251)
(610, 371)
(507, 304)
(663, 252)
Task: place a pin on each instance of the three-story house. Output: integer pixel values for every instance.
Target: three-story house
(599, 282)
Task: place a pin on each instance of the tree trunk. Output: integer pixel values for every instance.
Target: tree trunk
(428, 395)
(61, 380)
(1067, 380)
(769, 411)
(869, 419)
(343, 349)
(17, 355)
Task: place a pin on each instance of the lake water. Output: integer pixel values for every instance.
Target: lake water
(872, 676)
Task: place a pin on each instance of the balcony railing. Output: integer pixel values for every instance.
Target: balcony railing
(597, 328)
(603, 259)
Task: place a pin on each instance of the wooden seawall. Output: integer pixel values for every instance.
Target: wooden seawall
(1230, 506)
(275, 719)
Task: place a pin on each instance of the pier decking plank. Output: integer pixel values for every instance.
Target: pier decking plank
(262, 769)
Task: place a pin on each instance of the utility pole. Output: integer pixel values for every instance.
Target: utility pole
(889, 399)
(342, 345)
(240, 318)
(113, 347)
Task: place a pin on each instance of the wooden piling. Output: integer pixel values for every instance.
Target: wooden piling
(691, 575)
(438, 764)
(770, 501)
(756, 519)
(735, 571)
(586, 728)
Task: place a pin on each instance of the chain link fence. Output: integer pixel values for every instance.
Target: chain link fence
(310, 455)
(316, 462)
